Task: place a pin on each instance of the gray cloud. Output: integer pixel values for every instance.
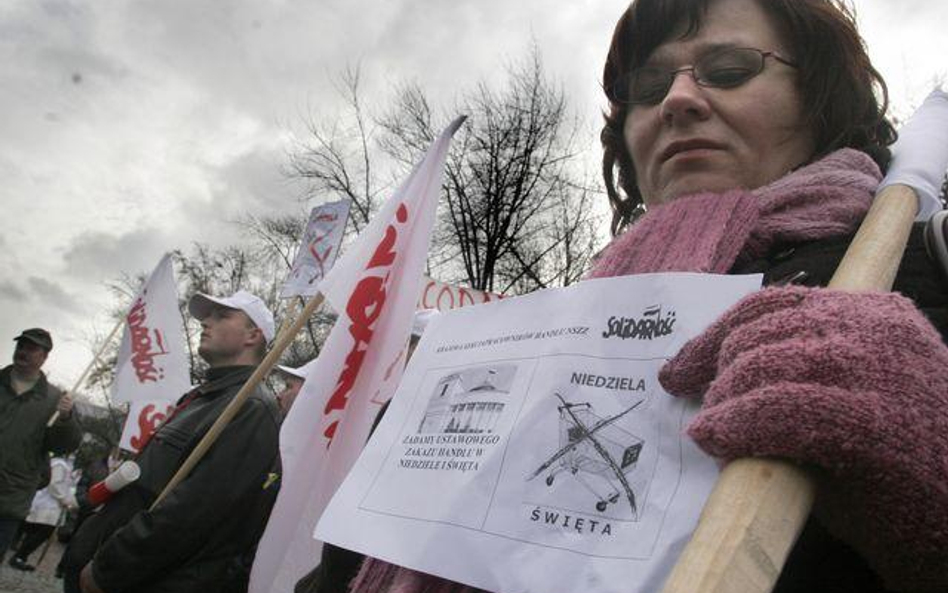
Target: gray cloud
(54, 295)
(252, 183)
(10, 291)
(98, 256)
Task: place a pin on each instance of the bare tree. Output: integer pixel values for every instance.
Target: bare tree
(336, 158)
(517, 213)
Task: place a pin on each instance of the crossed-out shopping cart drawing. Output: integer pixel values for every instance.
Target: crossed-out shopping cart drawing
(591, 444)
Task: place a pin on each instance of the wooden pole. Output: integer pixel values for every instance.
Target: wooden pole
(283, 340)
(95, 359)
(759, 506)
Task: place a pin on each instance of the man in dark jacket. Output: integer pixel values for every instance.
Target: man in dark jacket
(27, 402)
(199, 534)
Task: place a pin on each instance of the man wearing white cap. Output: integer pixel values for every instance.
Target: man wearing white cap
(200, 536)
(293, 379)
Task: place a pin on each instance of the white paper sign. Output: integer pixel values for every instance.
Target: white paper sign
(530, 446)
(318, 250)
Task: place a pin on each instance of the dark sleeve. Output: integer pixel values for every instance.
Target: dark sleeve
(821, 562)
(925, 281)
(63, 436)
(154, 541)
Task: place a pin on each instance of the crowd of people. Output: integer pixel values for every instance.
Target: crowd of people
(741, 136)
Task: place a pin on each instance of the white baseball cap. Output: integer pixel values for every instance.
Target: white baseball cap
(201, 305)
(421, 320)
(300, 372)
(297, 372)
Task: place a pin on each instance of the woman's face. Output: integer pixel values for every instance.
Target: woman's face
(713, 139)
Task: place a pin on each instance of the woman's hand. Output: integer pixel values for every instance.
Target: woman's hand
(855, 383)
(64, 406)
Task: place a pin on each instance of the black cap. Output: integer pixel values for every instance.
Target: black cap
(38, 336)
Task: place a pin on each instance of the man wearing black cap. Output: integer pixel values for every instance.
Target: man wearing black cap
(27, 402)
(200, 536)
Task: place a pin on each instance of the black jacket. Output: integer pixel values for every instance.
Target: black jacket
(199, 532)
(819, 562)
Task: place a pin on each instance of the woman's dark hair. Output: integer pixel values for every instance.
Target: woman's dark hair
(844, 97)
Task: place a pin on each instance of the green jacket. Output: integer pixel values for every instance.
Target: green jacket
(25, 440)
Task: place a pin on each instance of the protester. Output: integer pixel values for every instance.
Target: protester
(753, 133)
(27, 402)
(46, 513)
(293, 379)
(90, 473)
(199, 537)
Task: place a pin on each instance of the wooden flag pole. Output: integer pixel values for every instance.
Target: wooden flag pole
(282, 341)
(759, 506)
(95, 359)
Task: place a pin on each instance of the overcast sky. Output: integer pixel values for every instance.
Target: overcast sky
(130, 128)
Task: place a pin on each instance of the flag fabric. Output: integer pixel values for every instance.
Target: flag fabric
(144, 417)
(151, 371)
(375, 288)
(318, 249)
(444, 297)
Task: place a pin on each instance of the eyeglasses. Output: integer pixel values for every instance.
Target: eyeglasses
(723, 69)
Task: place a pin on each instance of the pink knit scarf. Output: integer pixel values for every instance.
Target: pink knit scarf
(709, 232)
(705, 232)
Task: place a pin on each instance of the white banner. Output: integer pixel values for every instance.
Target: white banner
(375, 288)
(152, 363)
(531, 448)
(318, 250)
(444, 297)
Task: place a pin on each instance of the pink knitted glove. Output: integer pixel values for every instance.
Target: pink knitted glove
(855, 383)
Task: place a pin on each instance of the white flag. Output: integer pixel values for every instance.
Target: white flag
(318, 250)
(374, 287)
(152, 364)
(144, 417)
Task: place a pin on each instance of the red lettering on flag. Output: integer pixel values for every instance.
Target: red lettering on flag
(143, 356)
(364, 307)
(148, 421)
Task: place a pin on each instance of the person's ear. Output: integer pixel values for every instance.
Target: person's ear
(255, 333)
